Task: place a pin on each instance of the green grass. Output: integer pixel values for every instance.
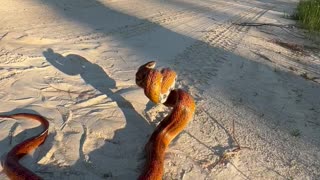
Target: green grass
(295, 132)
(308, 13)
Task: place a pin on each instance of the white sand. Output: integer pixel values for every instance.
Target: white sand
(74, 62)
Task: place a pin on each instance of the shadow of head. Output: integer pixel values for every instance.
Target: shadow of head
(74, 64)
(70, 65)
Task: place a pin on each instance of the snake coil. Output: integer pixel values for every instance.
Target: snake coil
(158, 87)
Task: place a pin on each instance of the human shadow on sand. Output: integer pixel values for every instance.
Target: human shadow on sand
(202, 60)
(126, 141)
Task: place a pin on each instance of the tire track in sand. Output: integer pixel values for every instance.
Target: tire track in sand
(206, 55)
(213, 48)
(152, 23)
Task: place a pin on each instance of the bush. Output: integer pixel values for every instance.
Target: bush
(308, 13)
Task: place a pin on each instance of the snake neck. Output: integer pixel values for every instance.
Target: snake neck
(183, 109)
(158, 87)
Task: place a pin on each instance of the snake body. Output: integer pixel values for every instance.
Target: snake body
(11, 165)
(158, 87)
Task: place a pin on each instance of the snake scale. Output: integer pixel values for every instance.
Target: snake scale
(158, 86)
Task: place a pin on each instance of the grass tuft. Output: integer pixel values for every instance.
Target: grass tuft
(295, 132)
(308, 13)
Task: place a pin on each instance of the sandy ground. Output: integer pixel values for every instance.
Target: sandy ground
(73, 61)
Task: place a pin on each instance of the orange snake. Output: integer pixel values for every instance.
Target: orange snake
(11, 165)
(158, 87)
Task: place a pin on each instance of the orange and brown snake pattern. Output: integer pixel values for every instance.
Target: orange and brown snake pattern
(11, 165)
(158, 87)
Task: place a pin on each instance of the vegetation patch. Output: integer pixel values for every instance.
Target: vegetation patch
(308, 14)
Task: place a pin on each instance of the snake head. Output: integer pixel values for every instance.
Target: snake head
(143, 72)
